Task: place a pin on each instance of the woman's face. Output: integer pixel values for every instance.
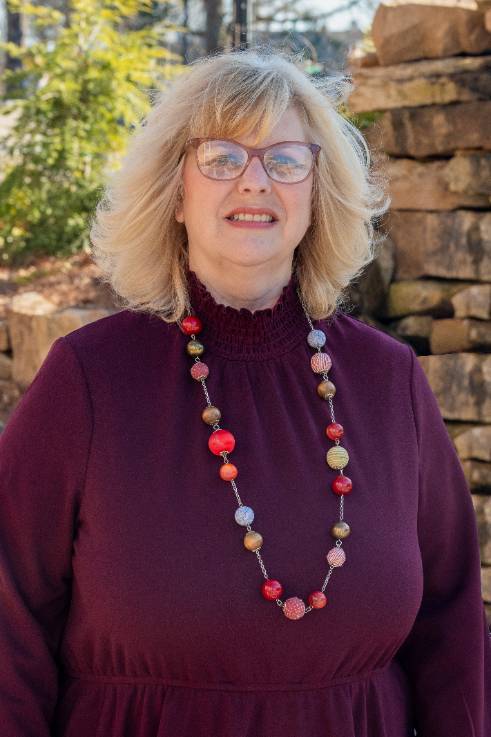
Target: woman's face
(215, 241)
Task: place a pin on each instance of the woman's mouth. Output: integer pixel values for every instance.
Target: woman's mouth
(246, 220)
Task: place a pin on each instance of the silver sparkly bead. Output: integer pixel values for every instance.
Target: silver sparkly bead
(244, 516)
(316, 338)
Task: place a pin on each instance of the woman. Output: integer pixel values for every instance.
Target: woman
(177, 557)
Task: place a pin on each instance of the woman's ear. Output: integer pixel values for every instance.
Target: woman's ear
(179, 210)
(179, 215)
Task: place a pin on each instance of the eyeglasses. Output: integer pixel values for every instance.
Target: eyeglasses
(288, 162)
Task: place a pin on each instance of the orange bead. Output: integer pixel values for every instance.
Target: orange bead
(334, 431)
(228, 471)
(317, 600)
(253, 540)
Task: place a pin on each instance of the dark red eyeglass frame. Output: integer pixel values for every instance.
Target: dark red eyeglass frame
(259, 152)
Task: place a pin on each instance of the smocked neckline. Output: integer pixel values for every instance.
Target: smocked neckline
(238, 333)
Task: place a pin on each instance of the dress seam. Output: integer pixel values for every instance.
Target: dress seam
(413, 359)
(89, 402)
(152, 680)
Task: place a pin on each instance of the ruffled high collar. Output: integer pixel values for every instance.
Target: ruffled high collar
(244, 335)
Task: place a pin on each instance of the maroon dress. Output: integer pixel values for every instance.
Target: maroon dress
(129, 606)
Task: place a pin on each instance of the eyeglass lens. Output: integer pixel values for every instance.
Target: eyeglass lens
(287, 162)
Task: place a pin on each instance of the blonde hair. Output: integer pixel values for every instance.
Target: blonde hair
(140, 247)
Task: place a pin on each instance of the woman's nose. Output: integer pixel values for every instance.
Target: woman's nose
(254, 176)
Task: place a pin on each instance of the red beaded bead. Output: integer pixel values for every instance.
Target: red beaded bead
(228, 471)
(320, 362)
(271, 589)
(221, 440)
(342, 485)
(317, 600)
(199, 370)
(191, 325)
(294, 608)
(334, 431)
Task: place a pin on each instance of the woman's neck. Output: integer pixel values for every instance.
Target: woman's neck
(243, 287)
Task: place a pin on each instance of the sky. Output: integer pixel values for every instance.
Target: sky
(362, 14)
(342, 21)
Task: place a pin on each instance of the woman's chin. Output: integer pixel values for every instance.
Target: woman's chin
(251, 254)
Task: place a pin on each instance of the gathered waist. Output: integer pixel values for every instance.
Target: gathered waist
(176, 683)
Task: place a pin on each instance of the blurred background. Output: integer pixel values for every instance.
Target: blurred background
(77, 76)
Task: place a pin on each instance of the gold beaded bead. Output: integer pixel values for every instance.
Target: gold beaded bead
(195, 348)
(337, 457)
(340, 530)
(253, 540)
(211, 415)
(326, 389)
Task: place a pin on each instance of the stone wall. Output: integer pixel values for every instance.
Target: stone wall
(29, 324)
(430, 79)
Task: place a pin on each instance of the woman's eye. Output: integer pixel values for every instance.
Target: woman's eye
(285, 163)
(222, 161)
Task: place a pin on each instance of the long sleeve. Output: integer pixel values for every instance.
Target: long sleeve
(447, 654)
(44, 450)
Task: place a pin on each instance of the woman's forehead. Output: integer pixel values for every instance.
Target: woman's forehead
(262, 131)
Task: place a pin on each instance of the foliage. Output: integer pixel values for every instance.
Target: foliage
(363, 121)
(77, 98)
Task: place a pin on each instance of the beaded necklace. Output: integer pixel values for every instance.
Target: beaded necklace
(222, 442)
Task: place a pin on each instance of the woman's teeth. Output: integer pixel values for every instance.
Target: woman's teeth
(247, 216)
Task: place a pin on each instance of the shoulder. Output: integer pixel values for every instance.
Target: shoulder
(366, 341)
(114, 350)
(116, 333)
(375, 364)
